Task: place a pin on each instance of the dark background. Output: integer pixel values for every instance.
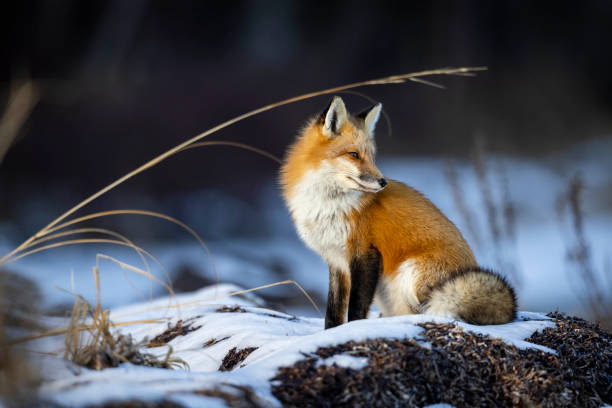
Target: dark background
(122, 81)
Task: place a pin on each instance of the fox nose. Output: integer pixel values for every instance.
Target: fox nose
(382, 182)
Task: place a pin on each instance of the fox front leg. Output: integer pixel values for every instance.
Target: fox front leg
(365, 271)
(337, 298)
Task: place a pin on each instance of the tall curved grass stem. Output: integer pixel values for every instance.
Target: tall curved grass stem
(64, 330)
(135, 212)
(234, 144)
(105, 231)
(393, 79)
(240, 292)
(101, 241)
(134, 269)
(92, 230)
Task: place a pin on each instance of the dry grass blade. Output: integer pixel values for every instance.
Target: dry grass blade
(101, 214)
(101, 241)
(141, 253)
(66, 243)
(122, 265)
(72, 340)
(63, 330)
(422, 81)
(83, 326)
(97, 347)
(22, 100)
(394, 79)
(235, 144)
(139, 271)
(196, 302)
(464, 74)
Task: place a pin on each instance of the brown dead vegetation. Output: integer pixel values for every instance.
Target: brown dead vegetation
(235, 357)
(447, 364)
(213, 341)
(230, 309)
(171, 333)
(91, 343)
(98, 347)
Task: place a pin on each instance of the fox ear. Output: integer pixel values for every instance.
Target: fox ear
(334, 117)
(370, 117)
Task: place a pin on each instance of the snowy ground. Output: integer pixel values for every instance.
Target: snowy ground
(280, 340)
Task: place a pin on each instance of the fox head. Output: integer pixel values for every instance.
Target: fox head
(338, 150)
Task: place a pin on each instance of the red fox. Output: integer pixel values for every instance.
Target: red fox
(383, 241)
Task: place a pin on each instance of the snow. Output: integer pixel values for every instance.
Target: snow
(280, 339)
(344, 360)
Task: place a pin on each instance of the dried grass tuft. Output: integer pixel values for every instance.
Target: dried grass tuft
(90, 341)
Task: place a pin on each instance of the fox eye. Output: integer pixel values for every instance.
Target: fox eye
(354, 154)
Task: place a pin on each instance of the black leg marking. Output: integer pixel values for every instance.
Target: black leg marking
(365, 271)
(337, 298)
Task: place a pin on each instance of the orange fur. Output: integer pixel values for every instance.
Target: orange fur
(312, 147)
(342, 210)
(403, 224)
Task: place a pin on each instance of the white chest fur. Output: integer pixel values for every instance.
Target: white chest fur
(320, 211)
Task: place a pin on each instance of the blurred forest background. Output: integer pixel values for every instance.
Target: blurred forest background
(122, 81)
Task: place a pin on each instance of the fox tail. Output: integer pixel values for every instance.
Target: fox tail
(473, 295)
